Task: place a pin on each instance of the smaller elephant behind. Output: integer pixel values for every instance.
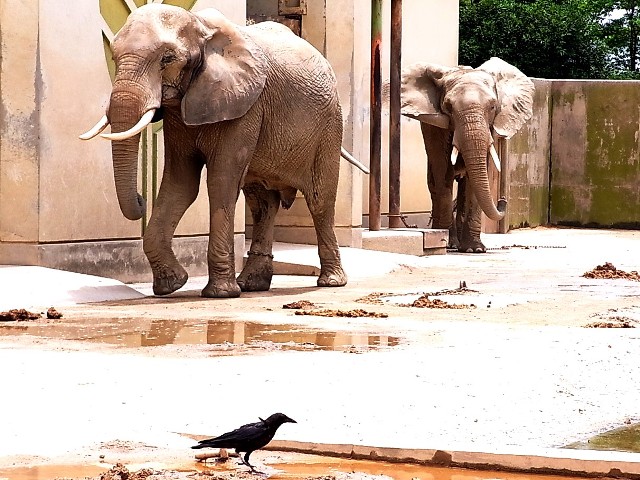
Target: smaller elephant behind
(460, 110)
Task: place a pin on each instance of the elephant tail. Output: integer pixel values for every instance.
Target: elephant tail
(351, 159)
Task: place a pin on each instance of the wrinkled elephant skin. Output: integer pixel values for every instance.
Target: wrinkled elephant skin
(256, 105)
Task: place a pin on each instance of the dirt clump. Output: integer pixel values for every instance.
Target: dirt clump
(120, 472)
(609, 271)
(618, 324)
(300, 305)
(374, 298)
(53, 314)
(425, 302)
(355, 313)
(18, 314)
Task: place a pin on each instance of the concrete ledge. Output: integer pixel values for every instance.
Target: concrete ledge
(410, 241)
(586, 463)
(123, 260)
(406, 241)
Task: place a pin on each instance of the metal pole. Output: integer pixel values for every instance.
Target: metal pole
(375, 135)
(395, 221)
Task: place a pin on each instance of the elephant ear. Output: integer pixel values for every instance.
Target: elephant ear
(232, 75)
(422, 90)
(515, 96)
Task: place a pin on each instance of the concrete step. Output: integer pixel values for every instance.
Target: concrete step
(411, 241)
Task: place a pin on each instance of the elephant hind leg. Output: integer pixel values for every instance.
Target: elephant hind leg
(257, 273)
(322, 208)
(331, 271)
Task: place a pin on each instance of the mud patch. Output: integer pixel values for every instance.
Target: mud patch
(21, 315)
(609, 271)
(616, 318)
(53, 314)
(374, 298)
(120, 472)
(18, 315)
(423, 300)
(619, 324)
(300, 305)
(355, 313)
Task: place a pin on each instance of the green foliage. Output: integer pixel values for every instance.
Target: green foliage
(553, 38)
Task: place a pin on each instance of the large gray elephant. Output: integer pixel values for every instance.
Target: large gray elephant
(256, 105)
(460, 108)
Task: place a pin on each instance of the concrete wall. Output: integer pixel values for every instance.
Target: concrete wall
(526, 165)
(595, 156)
(577, 162)
(57, 191)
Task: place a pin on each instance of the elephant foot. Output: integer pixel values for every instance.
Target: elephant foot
(221, 289)
(166, 282)
(453, 244)
(255, 281)
(472, 247)
(334, 278)
(257, 273)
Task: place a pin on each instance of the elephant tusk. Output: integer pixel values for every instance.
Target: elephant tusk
(494, 155)
(454, 155)
(97, 128)
(351, 159)
(137, 128)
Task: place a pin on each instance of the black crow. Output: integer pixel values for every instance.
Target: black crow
(249, 437)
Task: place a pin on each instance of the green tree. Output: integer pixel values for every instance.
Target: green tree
(544, 38)
(621, 31)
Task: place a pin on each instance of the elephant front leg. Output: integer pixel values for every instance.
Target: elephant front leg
(258, 271)
(471, 224)
(178, 190)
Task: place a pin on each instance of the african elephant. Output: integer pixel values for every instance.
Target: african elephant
(256, 105)
(460, 108)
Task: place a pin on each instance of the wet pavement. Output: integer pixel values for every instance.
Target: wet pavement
(514, 371)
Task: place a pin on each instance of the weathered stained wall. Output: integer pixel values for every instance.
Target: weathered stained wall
(577, 161)
(595, 161)
(527, 166)
(57, 194)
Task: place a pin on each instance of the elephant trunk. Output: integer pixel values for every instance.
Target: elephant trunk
(473, 139)
(128, 103)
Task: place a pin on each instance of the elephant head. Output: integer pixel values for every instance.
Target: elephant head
(168, 57)
(474, 103)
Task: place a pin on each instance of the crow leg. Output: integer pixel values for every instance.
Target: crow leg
(245, 460)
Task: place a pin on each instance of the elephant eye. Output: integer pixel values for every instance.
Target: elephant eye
(168, 57)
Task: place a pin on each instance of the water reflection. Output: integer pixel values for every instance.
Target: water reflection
(225, 333)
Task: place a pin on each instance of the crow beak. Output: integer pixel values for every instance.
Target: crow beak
(291, 420)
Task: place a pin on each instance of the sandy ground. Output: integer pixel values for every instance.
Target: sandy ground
(517, 373)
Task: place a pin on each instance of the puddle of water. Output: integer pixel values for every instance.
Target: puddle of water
(228, 337)
(286, 466)
(47, 472)
(623, 439)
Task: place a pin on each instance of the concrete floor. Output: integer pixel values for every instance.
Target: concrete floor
(519, 374)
